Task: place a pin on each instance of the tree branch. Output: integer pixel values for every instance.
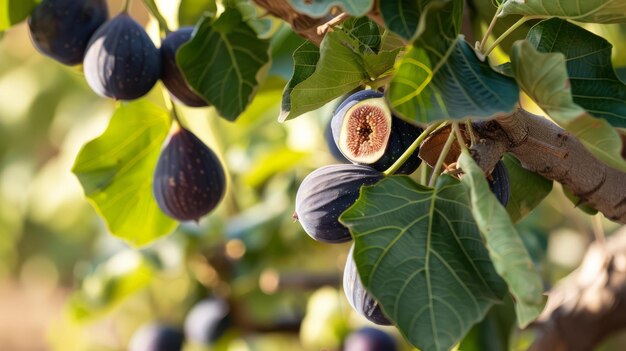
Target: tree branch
(545, 148)
(589, 304)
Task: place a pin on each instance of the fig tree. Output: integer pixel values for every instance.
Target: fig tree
(189, 180)
(172, 76)
(156, 337)
(61, 29)
(366, 132)
(121, 61)
(325, 194)
(499, 183)
(359, 298)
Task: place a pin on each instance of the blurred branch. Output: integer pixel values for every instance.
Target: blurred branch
(304, 25)
(590, 303)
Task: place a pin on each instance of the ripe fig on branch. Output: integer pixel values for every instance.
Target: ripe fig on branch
(121, 61)
(499, 183)
(172, 76)
(366, 132)
(325, 193)
(61, 29)
(189, 180)
(358, 297)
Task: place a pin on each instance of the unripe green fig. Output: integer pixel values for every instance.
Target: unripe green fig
(367, 133)
(325, 194)
(358, 297)
(189, 180)
(121, 61)
(61, 29)
(172, 76)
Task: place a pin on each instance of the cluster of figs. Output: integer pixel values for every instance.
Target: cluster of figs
(369, 136)
(120, 61)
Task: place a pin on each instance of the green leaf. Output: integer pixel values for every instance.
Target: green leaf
(596, 11)
(121, 276)
(320, 8)
(15, 11)
(222, 61)
(401, 16)
(543, 76)
(190, 11)
(305, 59)
(594, 84)
(116, 171)
(419, 252)
(455, 85)
(343, 65)
(528, 189)
(366, 32)
(440, 76)
(506, 249)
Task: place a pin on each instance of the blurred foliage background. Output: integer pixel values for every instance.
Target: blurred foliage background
(67, 284)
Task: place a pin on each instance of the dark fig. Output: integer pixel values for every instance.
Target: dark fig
(332, 146)
(361, 300)
(325, 194)
(370, 339)
(367, 133)
(207, 321)
(121, 60)
(189, 180)
(156, 337)
(61, 29)
(499, 183)
(172, 76)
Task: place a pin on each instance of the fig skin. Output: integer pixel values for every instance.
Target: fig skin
(499, 183)
(358, 297)
(172, 76)
(189, 180)
(325, 194)
(121, 61)
(156, 337)
(207, 321)
(402, 135)
(370, 339)
(61, 29)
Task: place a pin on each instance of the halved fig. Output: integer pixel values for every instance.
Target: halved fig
(189, 180)
(325, 194)
(358, 297)
(367, 133)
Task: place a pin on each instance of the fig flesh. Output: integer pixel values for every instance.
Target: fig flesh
(172, 76)
(499, 183)
(358, 297)
(189, 180)
(121, 61)
(325, 194)
(61, 29)
(367, 133)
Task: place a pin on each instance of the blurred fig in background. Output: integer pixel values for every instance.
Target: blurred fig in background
(207, 321)
(156, 337)
(370, 339)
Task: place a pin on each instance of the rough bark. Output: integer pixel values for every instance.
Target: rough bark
(545, 148)
(589, 304)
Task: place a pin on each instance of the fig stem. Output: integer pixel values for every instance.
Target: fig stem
(154, 10)
(126, 5)
(408, 152)
(509, 31)
(442, 157)
(483, 42)
(459, 136)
